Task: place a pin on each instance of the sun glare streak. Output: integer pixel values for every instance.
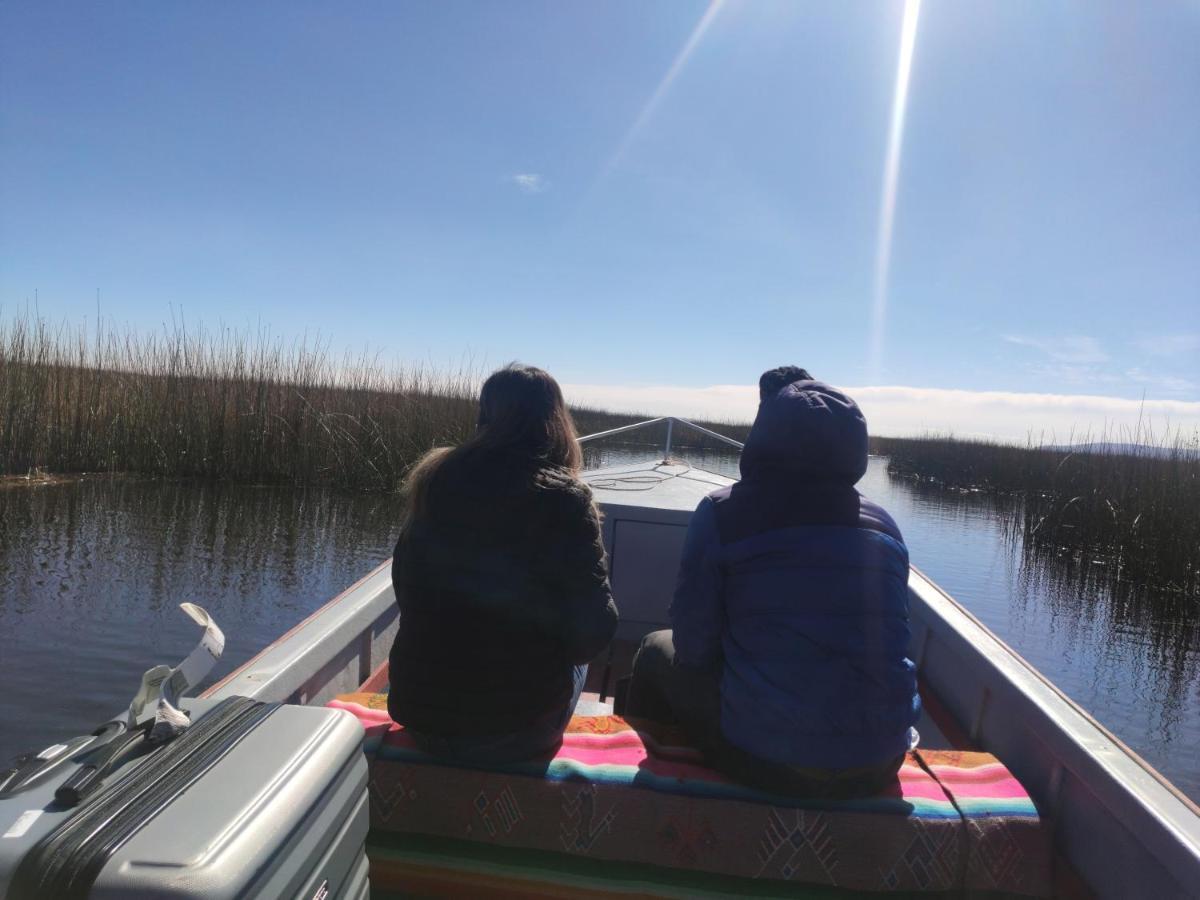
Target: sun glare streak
(664, 86)
(891, 175)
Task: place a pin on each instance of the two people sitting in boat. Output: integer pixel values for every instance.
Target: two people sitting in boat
(785, 662)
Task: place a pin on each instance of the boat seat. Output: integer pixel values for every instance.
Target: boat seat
(932, 737)
(628, 806)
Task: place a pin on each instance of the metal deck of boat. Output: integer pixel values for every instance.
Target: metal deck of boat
(673, 486)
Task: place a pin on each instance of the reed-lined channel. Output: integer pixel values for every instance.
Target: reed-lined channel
(91, 573)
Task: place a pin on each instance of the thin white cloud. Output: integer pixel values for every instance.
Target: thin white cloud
(1169, 383)
(1070, 349)
(899, 410)
(1072, 374)
(530, 182)
(1169, 344)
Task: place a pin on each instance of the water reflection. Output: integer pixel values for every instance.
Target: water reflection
(91, 574)
(1143, 646)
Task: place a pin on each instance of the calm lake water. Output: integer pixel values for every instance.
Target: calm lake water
(92, 572)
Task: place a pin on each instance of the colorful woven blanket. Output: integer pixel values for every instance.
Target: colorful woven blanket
(643, 803)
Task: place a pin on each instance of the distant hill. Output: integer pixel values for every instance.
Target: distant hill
(1118, 448)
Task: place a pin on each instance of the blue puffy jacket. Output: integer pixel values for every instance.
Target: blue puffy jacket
(798, 587)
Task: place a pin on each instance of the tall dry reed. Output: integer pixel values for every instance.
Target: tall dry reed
(189, 402)
(1133, 507)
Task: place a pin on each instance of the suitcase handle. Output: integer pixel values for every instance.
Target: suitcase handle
(84, 780)
(30, 769)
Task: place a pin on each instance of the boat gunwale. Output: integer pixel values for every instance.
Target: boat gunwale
(1068, 762)
(326, 608)
(1090, 719)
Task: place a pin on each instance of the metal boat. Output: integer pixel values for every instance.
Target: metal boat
(1120, 829)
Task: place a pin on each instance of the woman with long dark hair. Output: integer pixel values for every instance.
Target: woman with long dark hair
(501, 580)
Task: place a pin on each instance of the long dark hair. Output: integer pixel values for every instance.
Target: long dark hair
(521, 411)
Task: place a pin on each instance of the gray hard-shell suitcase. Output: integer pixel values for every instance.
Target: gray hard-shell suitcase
(253, 800)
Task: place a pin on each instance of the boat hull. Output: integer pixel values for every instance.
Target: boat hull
(1117, 822)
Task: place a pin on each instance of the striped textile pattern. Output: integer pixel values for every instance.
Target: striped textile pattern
(635, 797)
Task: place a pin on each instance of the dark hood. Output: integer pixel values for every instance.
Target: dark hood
(807, 432)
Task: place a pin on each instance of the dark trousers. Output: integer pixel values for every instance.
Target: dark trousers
(665, 692)
(539, 740)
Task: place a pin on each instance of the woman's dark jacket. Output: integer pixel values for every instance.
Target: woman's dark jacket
(796, 587)
(503, 588)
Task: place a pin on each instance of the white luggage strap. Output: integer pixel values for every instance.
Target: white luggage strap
(162, 687)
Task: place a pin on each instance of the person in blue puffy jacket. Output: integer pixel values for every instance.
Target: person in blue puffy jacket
(786, 658)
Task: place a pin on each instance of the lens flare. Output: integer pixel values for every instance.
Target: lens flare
(891, 175)
(664, 85)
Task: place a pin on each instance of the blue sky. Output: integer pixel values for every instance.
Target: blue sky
(486, 181)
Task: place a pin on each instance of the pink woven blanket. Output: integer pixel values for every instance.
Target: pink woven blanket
(638, 795)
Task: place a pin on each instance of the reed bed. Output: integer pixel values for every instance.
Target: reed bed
(191, 403)
(1134, 512)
